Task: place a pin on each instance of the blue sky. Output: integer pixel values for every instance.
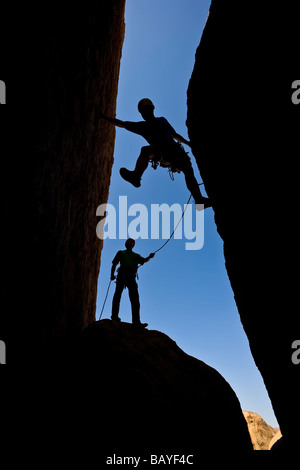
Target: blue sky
(185, 294)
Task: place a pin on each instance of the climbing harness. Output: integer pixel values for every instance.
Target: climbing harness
(172, 168)
(164, 164)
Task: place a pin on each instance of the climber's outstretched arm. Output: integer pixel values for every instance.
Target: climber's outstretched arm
(181, 139)
(149, 257)
(114, 121)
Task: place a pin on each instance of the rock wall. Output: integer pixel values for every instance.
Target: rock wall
(61, 65)
(154, 397)
(122, 391)
(242, 125)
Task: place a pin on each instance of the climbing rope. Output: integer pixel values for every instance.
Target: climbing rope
(172, 234)
(105, 299)
(156, 251)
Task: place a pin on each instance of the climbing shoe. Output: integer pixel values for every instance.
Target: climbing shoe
(116, 319)
(203, 200)
(140, 325)
(131, 177)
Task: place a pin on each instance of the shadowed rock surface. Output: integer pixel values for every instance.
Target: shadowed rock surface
(160, 395)
(243, 127)
(61, 64)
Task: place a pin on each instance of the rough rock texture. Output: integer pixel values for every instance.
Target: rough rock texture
(243, 128)
(260, 432)
(276, 438)
(62, 63)
(155, 395)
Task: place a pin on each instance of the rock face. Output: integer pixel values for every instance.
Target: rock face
(156, 396)
(62, 64)
(57, 155)
(262, 434)
(273, 441)
(242, 125)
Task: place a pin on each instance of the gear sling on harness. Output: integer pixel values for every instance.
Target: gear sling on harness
(171, 163)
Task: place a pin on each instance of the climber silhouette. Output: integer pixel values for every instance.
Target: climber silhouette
(129, 262)
(163, 149)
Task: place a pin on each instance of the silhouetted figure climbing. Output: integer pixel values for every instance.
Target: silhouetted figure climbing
(163, 149)
(129, 262)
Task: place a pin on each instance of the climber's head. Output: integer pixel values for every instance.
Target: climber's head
(146, 108)
(129, 244)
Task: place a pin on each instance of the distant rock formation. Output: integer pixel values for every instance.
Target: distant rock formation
(171, 399)
(276, 438)
(263, 436)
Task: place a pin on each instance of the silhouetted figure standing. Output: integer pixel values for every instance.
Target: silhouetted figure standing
(163, 148)
(129, 262)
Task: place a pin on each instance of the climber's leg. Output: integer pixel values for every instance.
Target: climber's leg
(116, 300)
(134, 177)
(143, 160)
(192, 184)
(135, 303)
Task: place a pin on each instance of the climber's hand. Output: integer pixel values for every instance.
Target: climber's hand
(101, 113)
(151, 255)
